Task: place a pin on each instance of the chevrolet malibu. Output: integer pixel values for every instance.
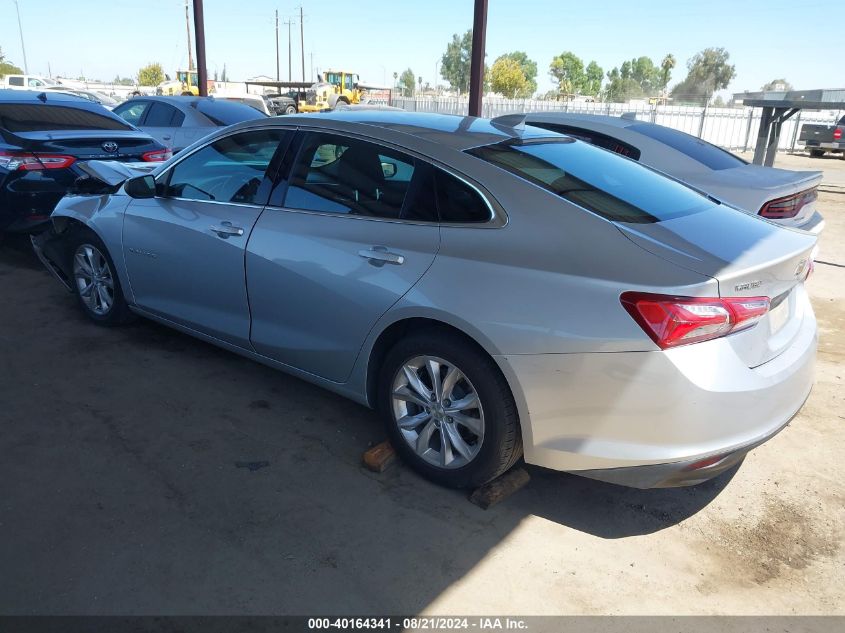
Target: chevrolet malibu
(494, 290)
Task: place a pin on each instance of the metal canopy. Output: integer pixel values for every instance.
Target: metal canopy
(778, 107)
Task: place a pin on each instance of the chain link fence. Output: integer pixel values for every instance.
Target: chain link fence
(731, 128)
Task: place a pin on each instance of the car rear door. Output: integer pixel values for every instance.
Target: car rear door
(163, 122)
(344, 237)
(184, 249)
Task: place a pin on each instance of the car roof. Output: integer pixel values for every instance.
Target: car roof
(31, 96)
(455, 131)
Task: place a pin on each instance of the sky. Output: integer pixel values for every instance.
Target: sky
(766, 39)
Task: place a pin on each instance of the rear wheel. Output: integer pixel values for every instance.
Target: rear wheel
(448, 410)
(95, 281)
(816, 153)
(290, 109)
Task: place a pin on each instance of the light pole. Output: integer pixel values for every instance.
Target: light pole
(436, 64)
(20, 30)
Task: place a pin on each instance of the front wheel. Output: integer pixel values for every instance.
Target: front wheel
(95, 281)
(291, 109)
(448, 410)
(816, 153)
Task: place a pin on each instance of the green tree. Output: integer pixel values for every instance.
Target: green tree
(567, 70)
(666, 67)
(8, 68)
(151, 75)
(777, 85)
(223, 75)
(621, 88)
(508, 79)
(707, 72)
(456, 61)
(593, 76)
(529, 71)
(408, 80)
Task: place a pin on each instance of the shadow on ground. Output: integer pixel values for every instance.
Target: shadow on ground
(123, 488)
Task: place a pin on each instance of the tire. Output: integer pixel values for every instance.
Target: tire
(290, 109)
(104, 303)
(488, 440)
(816, 153)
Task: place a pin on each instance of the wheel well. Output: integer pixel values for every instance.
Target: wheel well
(393, 334)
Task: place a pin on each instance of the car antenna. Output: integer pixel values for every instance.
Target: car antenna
(42, 97)
(514, 121)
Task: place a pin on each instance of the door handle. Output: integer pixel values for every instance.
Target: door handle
(379, 256)
(226, 230)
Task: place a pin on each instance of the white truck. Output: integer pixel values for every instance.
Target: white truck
(28, 82)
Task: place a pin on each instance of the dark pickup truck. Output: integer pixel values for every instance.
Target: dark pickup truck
(819, 139)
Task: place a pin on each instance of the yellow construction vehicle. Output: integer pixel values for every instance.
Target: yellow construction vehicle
(338, 86)
(186, 83)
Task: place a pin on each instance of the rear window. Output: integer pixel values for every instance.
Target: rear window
(612, 187)
(701, 151)
(593, 138)
(32, 117)
(228, 112)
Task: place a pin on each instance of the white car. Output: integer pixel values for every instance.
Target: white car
(784, 196)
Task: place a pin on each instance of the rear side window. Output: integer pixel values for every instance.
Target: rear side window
(701, 151)
(594, 138)
(31, 117)
(616, 189)
(337, 174)
(15, 81)
(224, 113)
(163, 115)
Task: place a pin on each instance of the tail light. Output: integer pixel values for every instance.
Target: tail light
(837, 134)
(29, 161)
(673, 321)
(157, 155)
(788, 206)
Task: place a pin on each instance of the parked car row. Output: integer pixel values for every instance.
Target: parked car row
(496, 290)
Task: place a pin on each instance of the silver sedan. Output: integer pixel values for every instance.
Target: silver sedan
(781, 195)
(494, 290)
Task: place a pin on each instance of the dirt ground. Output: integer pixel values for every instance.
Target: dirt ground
(123, 490)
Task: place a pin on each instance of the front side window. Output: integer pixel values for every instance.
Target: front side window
(35, 83)
(616, 189)
(337, 174)
(231, 169)
(132, 112)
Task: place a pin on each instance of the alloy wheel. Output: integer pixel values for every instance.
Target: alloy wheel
(438, 411)
(94, 279)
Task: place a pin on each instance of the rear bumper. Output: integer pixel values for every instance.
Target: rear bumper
(830, 145)
(643, 419)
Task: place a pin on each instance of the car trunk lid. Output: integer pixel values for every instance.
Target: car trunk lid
(121, 145)
(748, 257)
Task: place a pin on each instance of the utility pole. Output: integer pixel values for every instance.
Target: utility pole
(20, 30)
(302, 39)
(476, 73)
(199, 31)
(290, 71)
(277, 45)
(188, 31)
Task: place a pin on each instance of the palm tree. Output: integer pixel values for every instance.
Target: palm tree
(666, 67)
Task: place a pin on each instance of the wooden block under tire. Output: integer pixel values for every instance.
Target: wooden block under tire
(499, 489)
(380, 457)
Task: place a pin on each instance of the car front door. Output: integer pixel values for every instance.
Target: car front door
(184, 249)
(344, 238)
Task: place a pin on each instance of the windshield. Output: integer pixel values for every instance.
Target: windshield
(613, 187)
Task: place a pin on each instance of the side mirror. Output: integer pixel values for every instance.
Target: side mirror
(140, 187)
(389, 169)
